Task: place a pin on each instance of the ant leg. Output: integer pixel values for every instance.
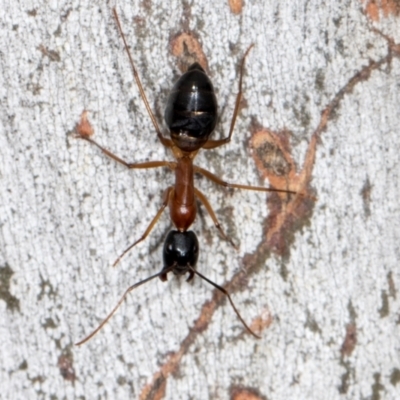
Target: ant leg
(212, 144)
(119, 303)
(209, 209)
(148, 164)
(209, 175)
(166, 142)
(166, 198)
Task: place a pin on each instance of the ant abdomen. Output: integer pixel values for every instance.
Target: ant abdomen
(191, 112)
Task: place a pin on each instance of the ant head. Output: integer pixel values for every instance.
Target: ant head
(191, 112)
(181, 249)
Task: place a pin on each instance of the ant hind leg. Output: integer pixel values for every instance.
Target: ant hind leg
(212, 144)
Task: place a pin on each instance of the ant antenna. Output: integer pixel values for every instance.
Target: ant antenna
(224, 291)
(121, 300)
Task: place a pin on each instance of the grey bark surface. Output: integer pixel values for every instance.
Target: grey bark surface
(67, 211)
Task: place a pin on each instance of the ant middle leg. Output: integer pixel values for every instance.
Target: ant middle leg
(209, 175)
(144, 165)
(167, 194)
(209, 209)
(212, 144)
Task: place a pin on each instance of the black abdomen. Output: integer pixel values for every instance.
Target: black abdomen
(191, 112)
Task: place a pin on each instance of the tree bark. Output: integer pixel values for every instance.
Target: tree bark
(316, 274)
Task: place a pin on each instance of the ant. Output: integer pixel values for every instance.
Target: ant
(191, 116)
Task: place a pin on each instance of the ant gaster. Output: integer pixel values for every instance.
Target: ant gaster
(191, 116)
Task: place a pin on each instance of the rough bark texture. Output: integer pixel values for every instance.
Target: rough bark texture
(319, 280)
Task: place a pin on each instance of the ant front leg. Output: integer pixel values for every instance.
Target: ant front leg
(167, 194)
(209, 209)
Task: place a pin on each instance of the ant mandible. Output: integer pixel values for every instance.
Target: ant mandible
(191, 116)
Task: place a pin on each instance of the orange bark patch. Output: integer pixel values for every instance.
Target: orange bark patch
(84, 128)
(236, 6)
(272, 156)
(377, 8)
(262, 322)
(188, 49)
(65, 364)
(155, 391)
(350, 340)
(240, 393)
